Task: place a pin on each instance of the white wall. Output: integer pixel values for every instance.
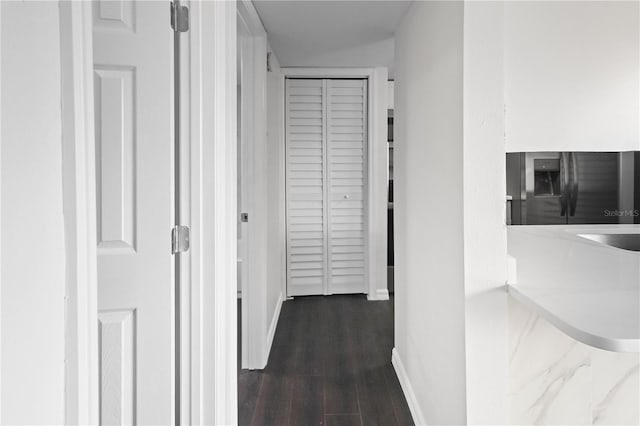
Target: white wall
(258, 242)
(451, 310)
(390, 94)
(485, 239)
(428, 210)
(33, 260)
(276, 233)
(263, 128)
(572, 75)
(374, 54)
(335, 34)
(253, 192)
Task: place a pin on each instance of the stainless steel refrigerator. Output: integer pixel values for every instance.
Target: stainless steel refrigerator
(553, 188)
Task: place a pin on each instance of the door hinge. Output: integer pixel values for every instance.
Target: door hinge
(179, 18)
(179, 239)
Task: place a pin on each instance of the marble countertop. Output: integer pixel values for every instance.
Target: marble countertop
(588, 290)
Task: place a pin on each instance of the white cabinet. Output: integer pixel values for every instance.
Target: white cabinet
(326, 152)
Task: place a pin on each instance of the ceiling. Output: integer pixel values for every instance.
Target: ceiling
(338, 33)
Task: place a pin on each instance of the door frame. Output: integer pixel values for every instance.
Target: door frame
(210, 390)
(82, 375)
(377, 169)
(208, 317)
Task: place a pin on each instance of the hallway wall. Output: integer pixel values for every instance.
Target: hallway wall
(276, 233)
(428, 211)
(379, 53)
(485, 237)
(264, 187)
(451, 311)
(32, 309)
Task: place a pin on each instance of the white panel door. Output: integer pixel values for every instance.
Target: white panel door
(326, 181)
(347, 176)
(133, 54)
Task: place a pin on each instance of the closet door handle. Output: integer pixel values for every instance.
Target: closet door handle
(347, 196)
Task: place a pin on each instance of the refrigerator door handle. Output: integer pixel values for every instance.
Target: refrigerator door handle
(564, 183)
(573, 185)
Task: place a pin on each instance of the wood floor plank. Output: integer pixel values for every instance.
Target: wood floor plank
(330, 364)
(307, 406)
(343, 420)
(341, 326)
(375, 401)
(310, 336)
(341, 394)
(274, 402)
(248, 391)
(282, 359)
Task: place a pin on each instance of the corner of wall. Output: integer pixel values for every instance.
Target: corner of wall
(430, 294)
(407, 389)
(485, 251)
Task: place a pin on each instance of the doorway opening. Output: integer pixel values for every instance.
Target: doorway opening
(322, 163)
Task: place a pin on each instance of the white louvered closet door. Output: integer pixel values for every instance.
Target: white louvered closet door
(346, 178)
(326, 181)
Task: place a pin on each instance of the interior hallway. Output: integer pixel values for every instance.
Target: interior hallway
(330, 364)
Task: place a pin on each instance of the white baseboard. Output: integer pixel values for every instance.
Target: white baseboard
(381, 294)
(272, 327)
(409, 394)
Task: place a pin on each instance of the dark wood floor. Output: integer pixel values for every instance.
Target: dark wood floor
(330, 364)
